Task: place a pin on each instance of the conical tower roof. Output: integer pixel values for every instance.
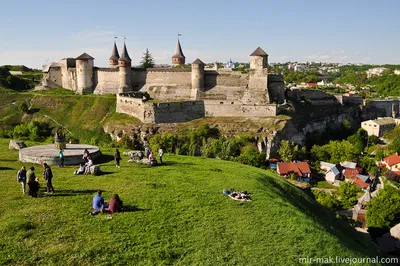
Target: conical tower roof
(125, 56)
(84, 56)
(115, 54)
(178, 51)
(198, 62)
(259, 52)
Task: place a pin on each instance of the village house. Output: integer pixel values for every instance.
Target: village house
(301, 170)
(392, 163)
(333, 173)
(347, 170)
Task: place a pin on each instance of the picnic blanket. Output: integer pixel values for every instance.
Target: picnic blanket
(236, 195)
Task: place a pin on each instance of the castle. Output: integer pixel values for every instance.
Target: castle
(180, 94)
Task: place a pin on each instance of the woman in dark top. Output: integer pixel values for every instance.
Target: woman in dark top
(115, 204)
(117, 157)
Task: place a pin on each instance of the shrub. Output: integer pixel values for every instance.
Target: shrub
(326, 200)
(23, 107)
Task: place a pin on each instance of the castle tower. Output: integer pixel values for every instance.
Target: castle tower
(125, 71)
(178, 58)
(257, 91)
(114, 56)
(84, 73)
(259, 59)
(197, 78)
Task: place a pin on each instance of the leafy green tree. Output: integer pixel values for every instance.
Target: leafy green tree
(23, 107)
(341, 151)
(383, 211)
(287, 150)
(147, 60)
(348, 194)
(395, 145)
(326, 200)
(251, 156)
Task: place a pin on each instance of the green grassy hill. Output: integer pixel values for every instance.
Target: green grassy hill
(180, 217)
(24, 82)
(82, 116)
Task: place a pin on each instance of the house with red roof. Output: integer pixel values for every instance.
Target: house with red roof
(311, 85)
(392, 162)
(301, 170)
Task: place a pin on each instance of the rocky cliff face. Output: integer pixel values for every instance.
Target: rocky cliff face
(312, 112)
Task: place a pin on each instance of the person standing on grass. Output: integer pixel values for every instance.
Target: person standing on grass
(61, 154)
(85, 155)
(160, 153)
(33, 183)
(117, 157)
(48, 176)
(21, 177)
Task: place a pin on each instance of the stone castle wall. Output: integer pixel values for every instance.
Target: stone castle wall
(164, 112)
(229, 109)
(350, 100)
(169, 84)
(107, 81)
(214, 78)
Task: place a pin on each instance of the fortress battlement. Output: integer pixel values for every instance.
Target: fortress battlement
(190, 92)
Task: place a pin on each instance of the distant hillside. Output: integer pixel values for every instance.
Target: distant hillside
(82, 116)
(26, 81)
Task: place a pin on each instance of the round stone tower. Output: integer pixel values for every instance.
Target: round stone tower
(84, 73)
(178, 58)
(125, 71)
(114, 57)
(197, 78)
(259, 59)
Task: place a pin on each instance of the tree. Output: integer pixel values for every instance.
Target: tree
(287, 150)
(348, 194)
(147, 60)
(395, 145)
(23, 107)
(384, 210)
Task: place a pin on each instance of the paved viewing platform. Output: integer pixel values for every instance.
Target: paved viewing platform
(49, 154)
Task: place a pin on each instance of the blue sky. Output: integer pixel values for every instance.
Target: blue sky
(352, 31)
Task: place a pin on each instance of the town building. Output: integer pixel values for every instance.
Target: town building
(378, 126)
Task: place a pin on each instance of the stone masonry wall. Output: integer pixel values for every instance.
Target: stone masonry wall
(107, 81)
(165, 112)
(136, 108)
(175, 112)
(229, 108)
(214, 78)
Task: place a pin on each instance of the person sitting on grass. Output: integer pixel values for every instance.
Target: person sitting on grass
(98, 204)
(115, 204)
(80, 171)
(88, 165)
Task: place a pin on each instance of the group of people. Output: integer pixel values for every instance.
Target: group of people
(29, 177)
(84, 169)
(136, 156)
(99, 205)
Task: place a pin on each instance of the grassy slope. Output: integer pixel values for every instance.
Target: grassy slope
(182, 218)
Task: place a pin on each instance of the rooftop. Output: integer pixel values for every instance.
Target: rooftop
(392, 159)
(259, 52)
(84, 56)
